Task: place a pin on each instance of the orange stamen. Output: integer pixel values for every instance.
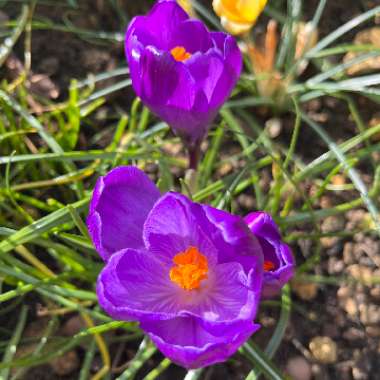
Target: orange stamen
(191, 267)
(180, 54)
(268, 266)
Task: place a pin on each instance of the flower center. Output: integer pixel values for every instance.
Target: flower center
(180, 54)
(191, 267)
(268, 266)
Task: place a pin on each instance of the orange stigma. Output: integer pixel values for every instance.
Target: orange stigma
(180, 54)
(191, 267)
(268, 266)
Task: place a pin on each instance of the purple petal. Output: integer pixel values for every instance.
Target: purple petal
(231, 237)
(171, 228)
(186, 95)
(229, 48)
(165, 82)
(120, 204)
(275, 280)
(265, 229)
(223, 87)
(133, 52)
(213, 75)
(193, 36)
(262, 224)
(184, 341)
(275, 251)
(191, 125)
(228, 299)
(207, 69)
(158, 26)
(167, 87)
(230, 294)
(135, 285)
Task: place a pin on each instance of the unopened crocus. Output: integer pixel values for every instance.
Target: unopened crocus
(278, 259)
(238, 16)
(189, 273)
(179, 69)
(270, 82)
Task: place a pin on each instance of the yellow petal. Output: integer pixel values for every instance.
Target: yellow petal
(227, 9)
(235, 28)
(238, 16)
(218, 7)
(249, 10)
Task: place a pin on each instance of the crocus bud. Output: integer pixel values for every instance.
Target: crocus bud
(179, 69)
(238, 16)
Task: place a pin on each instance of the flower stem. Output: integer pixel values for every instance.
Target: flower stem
(194, 155)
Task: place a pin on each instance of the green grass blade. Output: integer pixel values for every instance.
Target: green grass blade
(352, 173)
(33, 122)
(193, 374)
(261, 361)
(348, 26)
(144, 353)
(9, 42)
(154, 373)
(13, 342)
(41, 226)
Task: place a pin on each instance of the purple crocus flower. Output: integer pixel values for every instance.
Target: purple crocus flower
(278, 259)
(189, 273)
(179, 69)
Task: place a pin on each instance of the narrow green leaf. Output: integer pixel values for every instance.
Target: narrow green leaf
(13, 342)
(260, 360)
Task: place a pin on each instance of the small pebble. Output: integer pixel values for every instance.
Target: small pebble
(330, 225)
(305, 290)
(369, 314)
(324, 349)
(65, 364)
(358, 374)
(73, 326)
(273, 127)
(373, 331)
(298, 368)
(353, 334)
(361, 274)
(351, 307)
(348, 253)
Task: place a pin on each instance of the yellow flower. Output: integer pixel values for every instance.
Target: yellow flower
(238, 16)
